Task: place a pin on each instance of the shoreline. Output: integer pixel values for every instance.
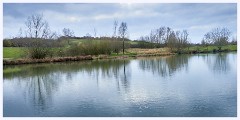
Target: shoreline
(46, 60)
(77, 58)
(8, 61)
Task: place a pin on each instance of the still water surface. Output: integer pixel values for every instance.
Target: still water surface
(175, 86)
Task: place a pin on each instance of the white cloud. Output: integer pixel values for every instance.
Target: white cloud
(141, 18)
(202, 27)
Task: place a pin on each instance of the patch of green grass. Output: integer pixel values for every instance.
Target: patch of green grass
(14, 52)
(21, 52)
(79, 41)
(211, 48)
(230, 47)
(133, 42)
(121, 54)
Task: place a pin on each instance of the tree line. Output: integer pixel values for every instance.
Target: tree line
(179, 40)
(38, 35)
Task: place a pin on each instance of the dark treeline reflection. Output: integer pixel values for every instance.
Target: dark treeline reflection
(106, 67)
(165, 66)
(40, 81)
(218, 63)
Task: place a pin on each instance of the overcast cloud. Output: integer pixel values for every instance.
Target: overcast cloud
(141, 18)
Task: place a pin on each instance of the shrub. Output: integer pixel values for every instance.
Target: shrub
(38, 52)
(74, 50)
(60, 52)
(7, 43)
(90, 47)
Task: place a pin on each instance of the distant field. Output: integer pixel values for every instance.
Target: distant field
(13, 52)
(211, 48)
(79, 41)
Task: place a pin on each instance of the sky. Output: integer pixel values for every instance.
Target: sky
(141, 18)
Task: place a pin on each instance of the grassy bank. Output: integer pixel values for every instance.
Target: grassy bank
(14, 52)
(209, 49)
(132, 52)
(18, 55)
(47, 60)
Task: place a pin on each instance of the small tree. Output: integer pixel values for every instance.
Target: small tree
(234, 41)
(172, 40)
(38, 29)
(115, 24)
(123, 32)
(115, 43)
(182, 40)
(218, 36)
(67, 33)
(95, 32)
(161, 32)
(206, 42)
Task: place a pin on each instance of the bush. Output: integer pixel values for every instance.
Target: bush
(60, 52)
(144, 44)
(214, 50)
(90, 48)
(38, 52)
(7, 43)
(74, 50)
(96, 48)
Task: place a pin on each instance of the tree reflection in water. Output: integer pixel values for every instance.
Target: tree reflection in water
(218, 63)
(125, 76)
(90, 85)
(41, 81)
(221, 63)
(116, 69)
(39, 84)
(165, 66)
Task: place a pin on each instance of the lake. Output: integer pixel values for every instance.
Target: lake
(203, 85)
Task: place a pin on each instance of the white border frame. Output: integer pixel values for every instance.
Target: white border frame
(118, 1)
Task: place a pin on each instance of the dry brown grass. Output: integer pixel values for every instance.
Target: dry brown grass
(150, 52)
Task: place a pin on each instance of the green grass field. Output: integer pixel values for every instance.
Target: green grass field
(14, 52)
(211, 48)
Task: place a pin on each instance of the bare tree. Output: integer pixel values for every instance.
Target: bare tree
(182, 40)
(171, 40)
(157, 35)
(161, 32)
(88, 35)
(37, 27)
(168, 32)
(53, 35)
(20, 33)
(234, 40)
(115, 43)
(67, 32)
(153, 36)
(95, 32)
(206, 41)
(175, 40)
(218, 36)
(115, 24)
(46, 33)
(123, 32)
